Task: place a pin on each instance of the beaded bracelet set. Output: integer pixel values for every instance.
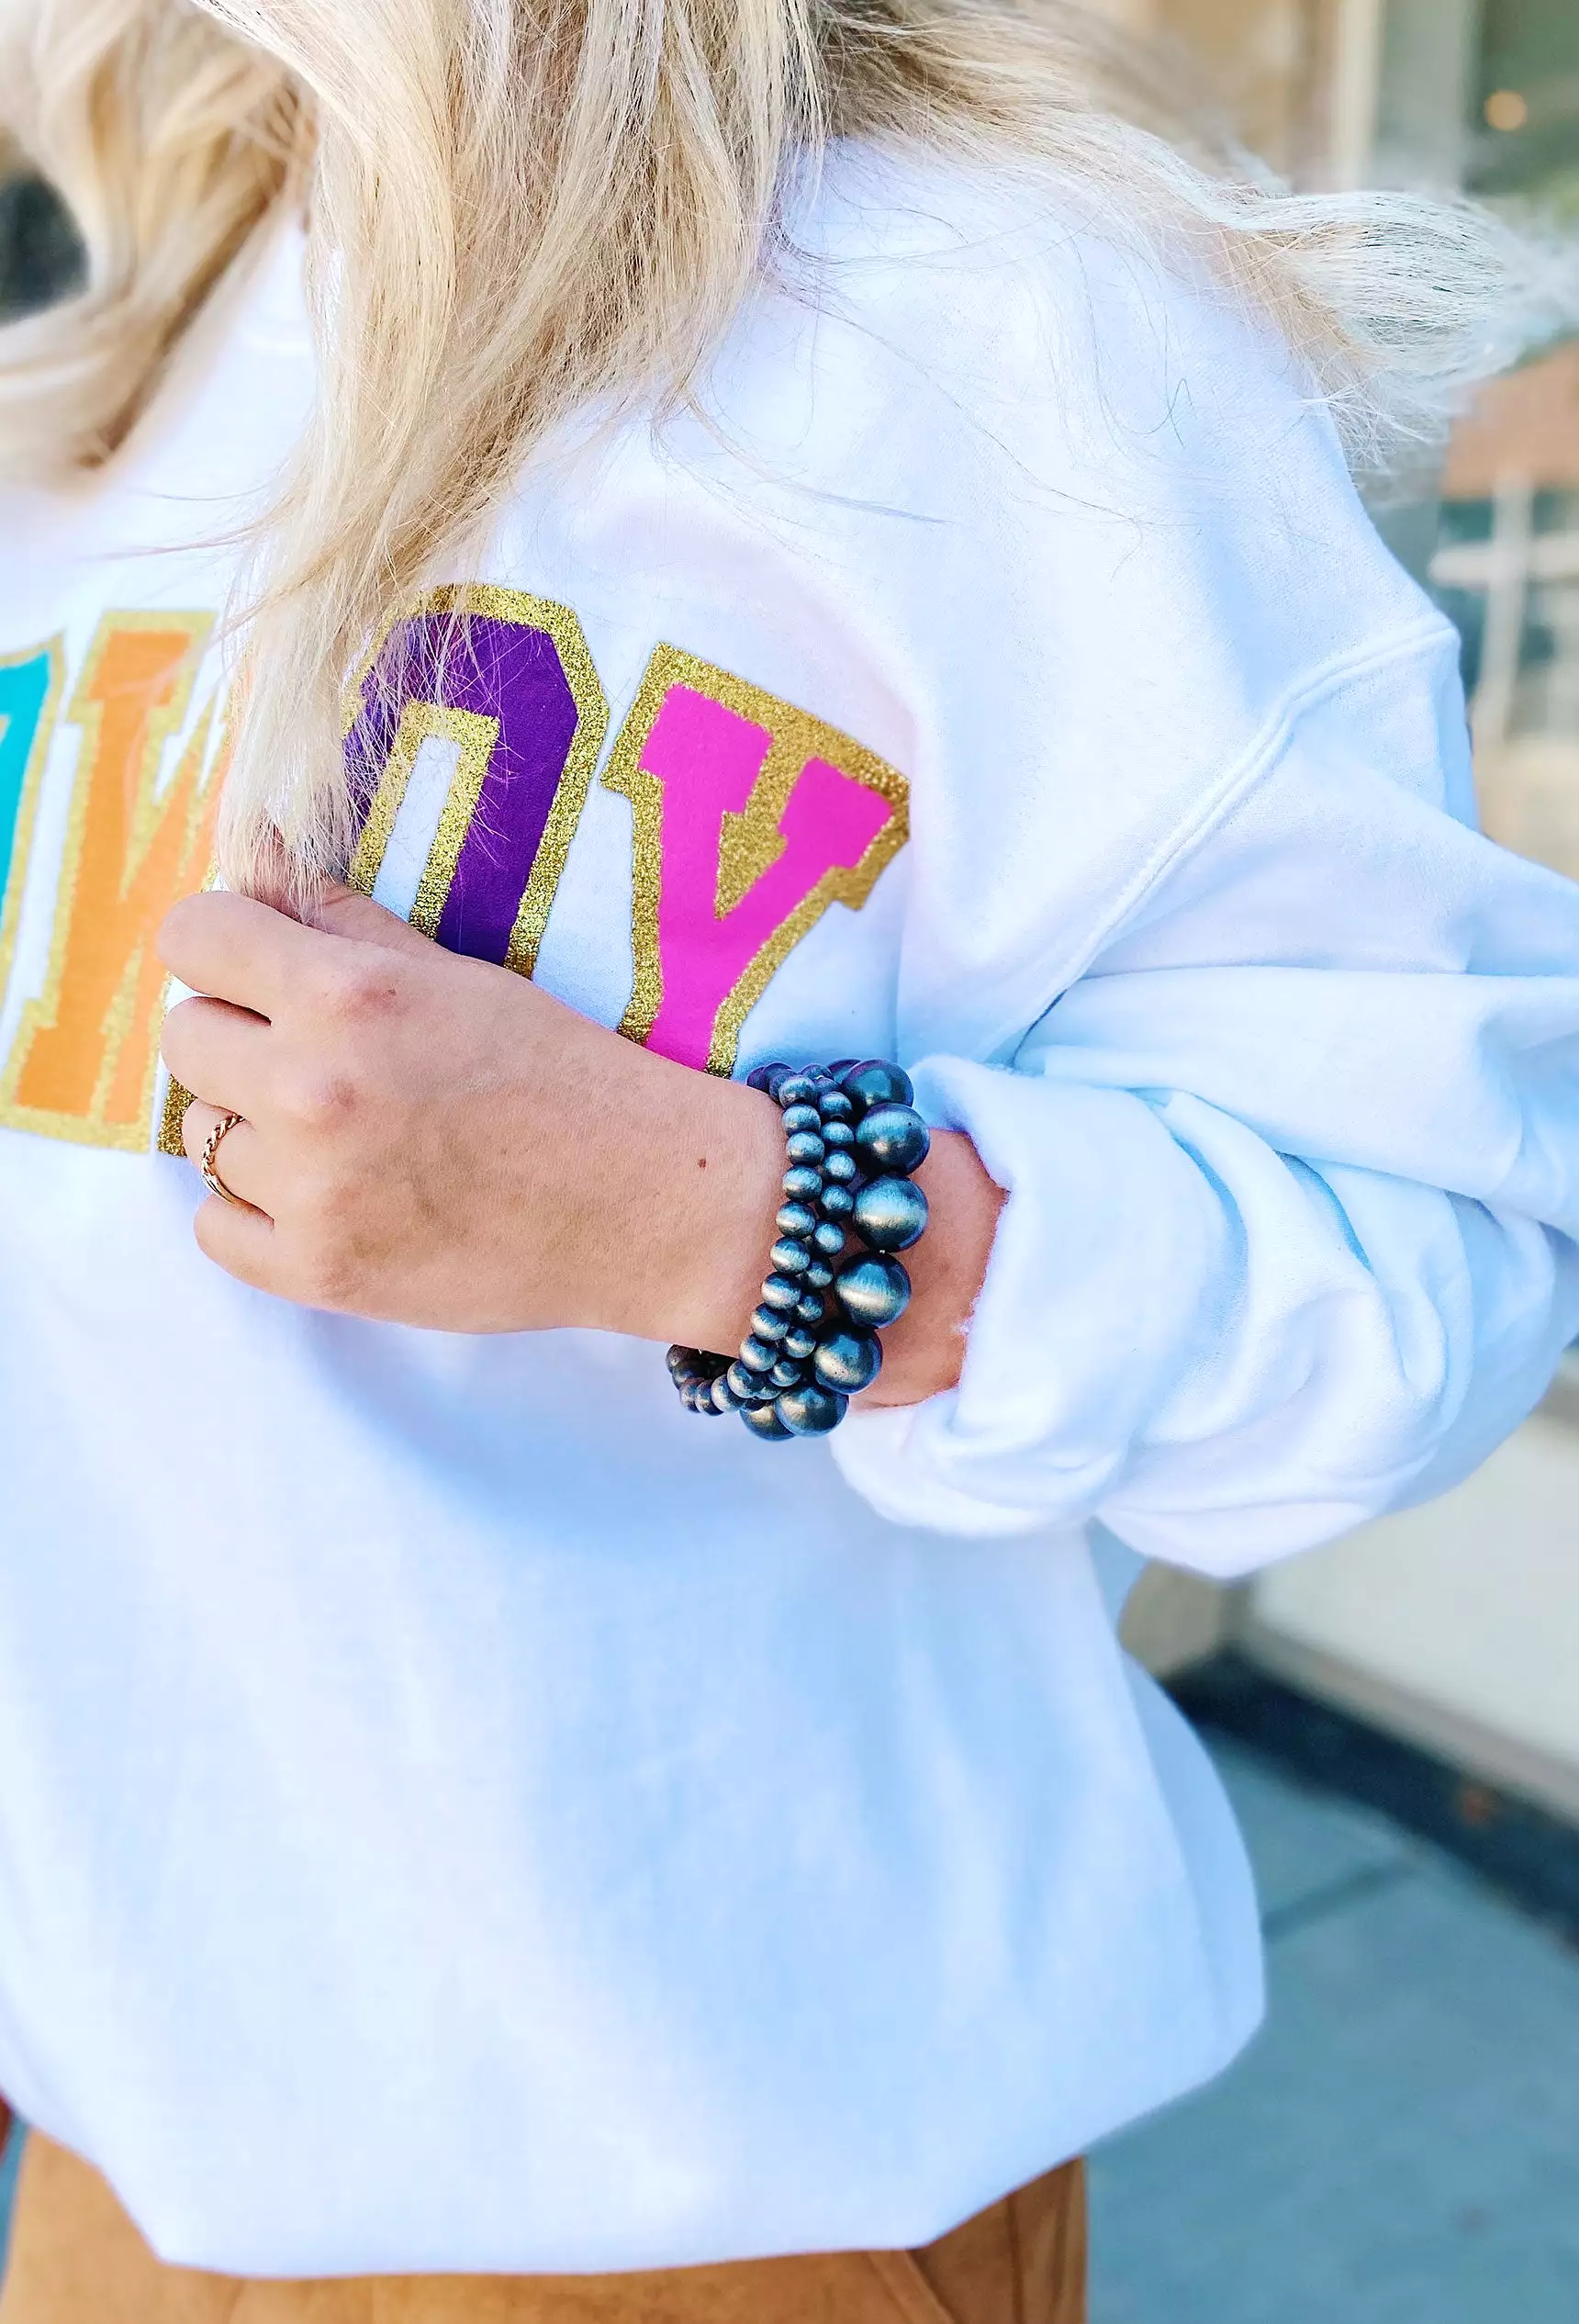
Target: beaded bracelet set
(852, 1141)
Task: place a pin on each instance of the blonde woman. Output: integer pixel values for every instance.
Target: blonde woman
(655, 543)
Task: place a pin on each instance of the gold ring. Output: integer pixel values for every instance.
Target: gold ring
(210, 1176)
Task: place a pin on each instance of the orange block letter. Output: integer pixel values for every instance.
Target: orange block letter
(85, 1057)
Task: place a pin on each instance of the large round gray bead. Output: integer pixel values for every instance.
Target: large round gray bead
(811, 1410)
(893, 1137)
(874, 1084)
(763, 1420)
(891, 1213)
(874, 1291)
(848, 1361)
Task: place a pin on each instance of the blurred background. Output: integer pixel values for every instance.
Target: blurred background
(1397, 1716)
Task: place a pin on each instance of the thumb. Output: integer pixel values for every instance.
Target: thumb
(346, 911)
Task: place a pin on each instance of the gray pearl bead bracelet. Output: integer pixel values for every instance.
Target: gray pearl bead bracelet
(853, 1142)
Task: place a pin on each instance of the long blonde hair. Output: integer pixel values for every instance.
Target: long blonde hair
(521, 207)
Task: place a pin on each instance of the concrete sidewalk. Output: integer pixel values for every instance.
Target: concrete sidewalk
(1401, 2145)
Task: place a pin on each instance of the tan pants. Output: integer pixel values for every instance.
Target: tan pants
(76, 2259)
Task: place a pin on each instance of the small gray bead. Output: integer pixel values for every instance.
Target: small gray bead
(678, 1358)
(756, 1355)
(781, 1292)
(838, 1136)
(819, 1274)
(873, 1291)
(848, 1361)
(797, 1220)
(801, 1117)
(891, 1213)
(835, 1106)
(799, 1343)
(812, 1307)
(796, 1089)
(802, 1184)
(836, 1202)
(893, 1137)
(811, 1410)
(723, 1397)
(748, 1385)
(840, 1169)
(806, 1146)
(828, 1236)
(768, 1323)
(786, 1374)
(788, 1258)
(763, 1420)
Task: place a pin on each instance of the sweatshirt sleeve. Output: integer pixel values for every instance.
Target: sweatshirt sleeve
(1291, 1169)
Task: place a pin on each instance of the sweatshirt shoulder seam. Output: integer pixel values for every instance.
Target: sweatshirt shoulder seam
(1263, 753)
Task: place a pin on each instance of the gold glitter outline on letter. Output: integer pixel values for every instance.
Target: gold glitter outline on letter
(519, 611)
(474, 738)
(177, 1097)
(750, 841)
(91, 1129)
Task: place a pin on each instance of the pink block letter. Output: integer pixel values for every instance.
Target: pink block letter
(707, 759)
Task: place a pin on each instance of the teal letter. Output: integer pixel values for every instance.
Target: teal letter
(27, 688)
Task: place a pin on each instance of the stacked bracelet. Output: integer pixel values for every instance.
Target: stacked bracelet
(852, 1139)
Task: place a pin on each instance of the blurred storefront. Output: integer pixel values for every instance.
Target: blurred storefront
(1455, 1626)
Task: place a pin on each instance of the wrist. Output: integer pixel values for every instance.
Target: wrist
(682, 1247)
(923, 1352)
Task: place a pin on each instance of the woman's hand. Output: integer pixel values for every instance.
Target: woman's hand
(432, 1140)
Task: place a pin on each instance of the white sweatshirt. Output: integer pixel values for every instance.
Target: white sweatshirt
(459, 1812)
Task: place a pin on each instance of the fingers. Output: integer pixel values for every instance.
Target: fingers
(346, 912)
(239, 950)
(218, 1052)
(240, 1163)
(241, 1241)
